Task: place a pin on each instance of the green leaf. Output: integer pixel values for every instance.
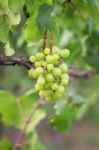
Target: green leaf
(44, 19)
(5, 145)
(31, 32)
(8, 108)
(16, 5)
(62, 119)
(36, 144)
(8, 50)
(14, 18)
(4, 28)
(28, 100)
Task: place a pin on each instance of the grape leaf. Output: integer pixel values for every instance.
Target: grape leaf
(8, 108)
(15, 5)
(8, 50)
(4, 28)
(62, 118)
(5, 145)
(44, 19)
(28, 100)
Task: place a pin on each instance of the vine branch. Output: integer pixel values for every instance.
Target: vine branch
(20, 139)
(21, 61)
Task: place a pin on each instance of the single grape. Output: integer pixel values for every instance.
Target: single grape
(49, 59)
(64, 81)
(65, 76)
(42, 93)
(39, 70)
(30, 72)
(60, 89)
(50, 67)
(65, 53)
(32, 59)
(35, 74)
(56, 57)
(54, 86)
(39, 56)
(57, 72)
(38, 87)
(63, 68)
(49, 77)
(38, 64)
(44, 63)
(41, 81)
(47, 51)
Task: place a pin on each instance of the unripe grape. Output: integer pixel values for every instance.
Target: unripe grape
(39, 70)
(35, 74)
(32, 59)
(38, 87)
(49, 77)
(60, 89)
(65, 76)
(38, 64)
(54, 86)
(44, 63)
(49, 59)
(42, 93)
(30, 72)
(56, 57)
(47, 51)
(57, 72)
(64, 81)
(50, 67)
(64, 68)
(65, 53)
(56, 50)
(39, 56)
(41, 81)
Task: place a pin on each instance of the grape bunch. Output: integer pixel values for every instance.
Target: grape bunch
(50, 72)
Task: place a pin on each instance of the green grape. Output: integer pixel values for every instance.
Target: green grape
(49, 59)
(49, 77)
(54, 86)
(63, 68)
(38, 87)
(50, 67)
(35, 74)
(56, 50)
(30, 72)
(65, 76)
(47, 51)
(32, 59)
(42, 93)
(65, 53)
(44, 63)
(39, 56)
(56, 57)
(41, 81)
(57, 72)
(38, 64)
(64, 81)
(39, 70)
(60, 89)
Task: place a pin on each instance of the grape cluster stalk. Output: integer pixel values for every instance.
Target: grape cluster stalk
(50, 72)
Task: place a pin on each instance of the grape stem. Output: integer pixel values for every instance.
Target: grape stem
(20, 139)
(44, 39)
(21, 61)
(51, 43)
